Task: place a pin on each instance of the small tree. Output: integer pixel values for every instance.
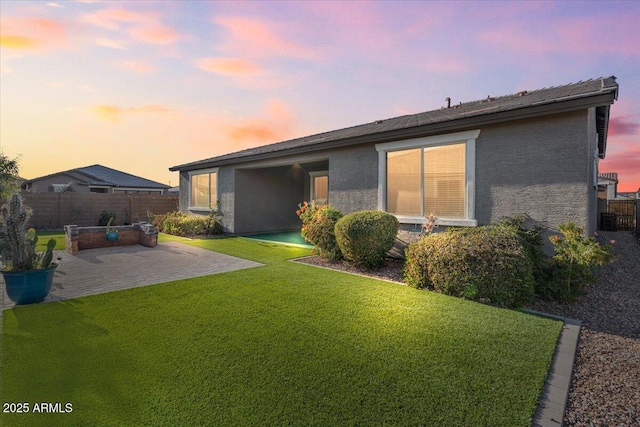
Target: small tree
(577, 257)
(8, 176)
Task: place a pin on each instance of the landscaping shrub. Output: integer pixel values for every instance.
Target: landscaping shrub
(105, 216)
(181, 224)
(365, 237)
(158, 220)
(318, 223)
(574, 263)
(532, 241)
(489, 264)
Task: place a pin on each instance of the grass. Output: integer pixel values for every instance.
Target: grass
(44, 236)
(283, 344)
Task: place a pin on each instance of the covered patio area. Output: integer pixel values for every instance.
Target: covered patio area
(266, 198)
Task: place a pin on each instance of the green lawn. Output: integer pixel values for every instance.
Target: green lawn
(44, 236)
(283, 344)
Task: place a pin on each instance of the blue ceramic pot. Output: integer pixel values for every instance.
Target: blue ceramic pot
(30, 286)
(113, 236)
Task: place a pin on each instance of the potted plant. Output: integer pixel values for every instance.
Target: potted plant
(28, 275)
(111, 232)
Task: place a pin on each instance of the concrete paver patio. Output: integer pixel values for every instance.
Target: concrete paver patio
(97, 271)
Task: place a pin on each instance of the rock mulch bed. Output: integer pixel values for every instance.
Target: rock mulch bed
(605, 388)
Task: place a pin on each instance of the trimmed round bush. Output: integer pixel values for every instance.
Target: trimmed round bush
(318, 229)
(487, 264)
(364, 237)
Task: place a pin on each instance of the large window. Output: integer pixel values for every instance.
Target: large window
(204, 189)
(429, 175)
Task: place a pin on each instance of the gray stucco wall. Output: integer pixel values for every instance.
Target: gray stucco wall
(539, 167)
(542, 167)
(353, 178)
(184, 191)
(44, 185)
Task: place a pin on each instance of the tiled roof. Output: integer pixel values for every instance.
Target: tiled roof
(102, 175)
(483, 107)
(611, 176)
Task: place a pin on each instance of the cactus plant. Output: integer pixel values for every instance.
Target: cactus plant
(19, 243)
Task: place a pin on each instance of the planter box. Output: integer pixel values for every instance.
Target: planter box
(79, 238)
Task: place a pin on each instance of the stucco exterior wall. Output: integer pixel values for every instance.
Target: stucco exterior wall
(226, 186)
(353, 178)
(539, 167)
(543, 167)
(184, 191)
(44, 185)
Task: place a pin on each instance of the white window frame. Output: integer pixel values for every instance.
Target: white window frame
(203, 172)
(313, 175)
(466, 137)
(60, 188)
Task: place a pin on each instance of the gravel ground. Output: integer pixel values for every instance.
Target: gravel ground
(605, 388)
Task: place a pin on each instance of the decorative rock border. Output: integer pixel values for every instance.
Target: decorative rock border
(80, 238)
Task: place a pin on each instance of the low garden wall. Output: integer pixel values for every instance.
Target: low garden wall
(79, 238)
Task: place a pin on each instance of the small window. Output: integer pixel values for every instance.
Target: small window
(204, 189)
(320, 187)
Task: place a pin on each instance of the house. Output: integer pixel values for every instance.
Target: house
(94, 179)
(607, 185)
(533, 152)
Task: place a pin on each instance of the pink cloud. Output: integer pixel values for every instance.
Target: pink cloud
(623, 126)
(144, 27)
(27, 33)
(155, 34)
(113, 44)
(567, 35)
(273, 125)
(626, 164)
(112, 18)
(114, 113)
(136, 65)
(259, 38)
(230, 66)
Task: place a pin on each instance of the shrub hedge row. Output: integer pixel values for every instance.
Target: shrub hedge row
(181, 224)
(487, 264)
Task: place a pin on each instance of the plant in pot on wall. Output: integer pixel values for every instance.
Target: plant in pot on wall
(28, 275)
(111, 232)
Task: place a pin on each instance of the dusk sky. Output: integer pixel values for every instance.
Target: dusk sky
(142, 86)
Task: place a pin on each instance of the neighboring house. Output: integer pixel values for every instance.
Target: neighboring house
(533, 152)
(626, 195)
(174, 190)
(94, 179)
(607, 185)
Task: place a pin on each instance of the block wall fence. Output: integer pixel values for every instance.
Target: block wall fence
(53, 211)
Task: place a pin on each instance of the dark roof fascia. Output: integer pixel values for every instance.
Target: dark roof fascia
(569, 104)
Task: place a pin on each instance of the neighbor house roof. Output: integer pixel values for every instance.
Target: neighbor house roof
(611, 176)
(599, 93)
(104, 176)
